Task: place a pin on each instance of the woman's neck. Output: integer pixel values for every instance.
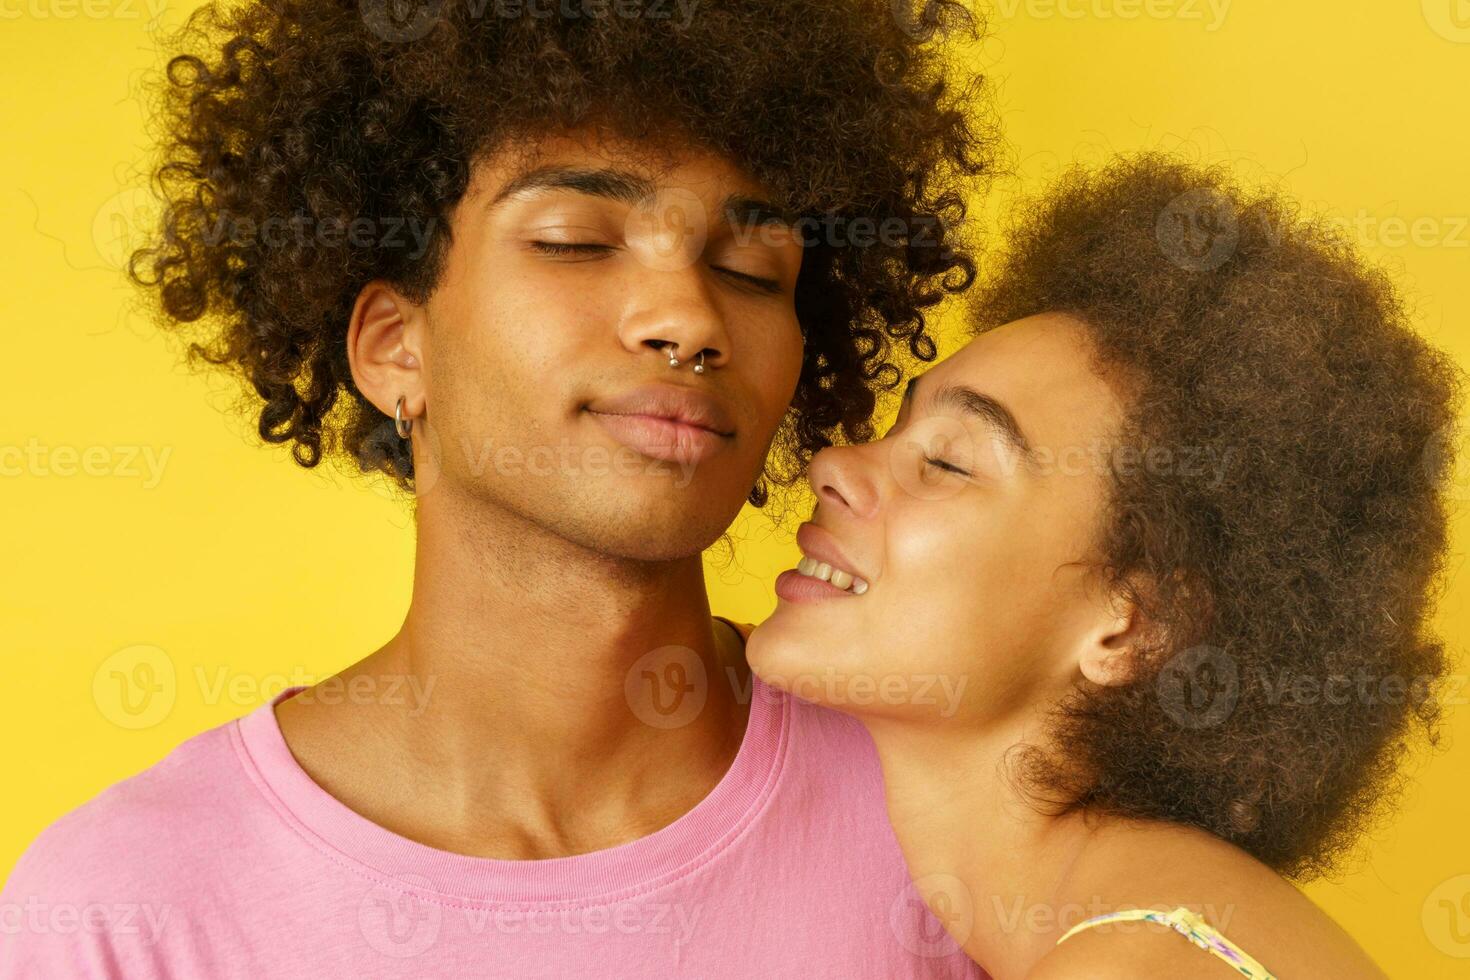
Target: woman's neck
(990, 865)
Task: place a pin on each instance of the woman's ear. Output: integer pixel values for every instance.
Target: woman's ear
(1109, 654)
(383, 349)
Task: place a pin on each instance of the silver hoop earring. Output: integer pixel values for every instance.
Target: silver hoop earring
(402, 425)
(673, 361)
(699, 368)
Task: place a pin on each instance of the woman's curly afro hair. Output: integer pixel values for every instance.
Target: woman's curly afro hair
(1293, 661)
(325, 112)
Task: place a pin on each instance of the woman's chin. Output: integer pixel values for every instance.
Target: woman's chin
(783, 646)
(802, 654)
(767, 646)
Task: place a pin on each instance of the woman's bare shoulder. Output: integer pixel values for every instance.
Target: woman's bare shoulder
(1131, 864)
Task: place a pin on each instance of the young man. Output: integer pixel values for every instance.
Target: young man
(567, 276)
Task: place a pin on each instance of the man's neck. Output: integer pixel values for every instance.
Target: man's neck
(518, 732)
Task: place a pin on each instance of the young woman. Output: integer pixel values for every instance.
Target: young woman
(1133, 597)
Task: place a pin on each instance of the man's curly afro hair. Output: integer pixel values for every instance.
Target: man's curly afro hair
(1293, 660)
(327, 113)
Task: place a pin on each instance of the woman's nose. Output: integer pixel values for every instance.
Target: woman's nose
(841, 478)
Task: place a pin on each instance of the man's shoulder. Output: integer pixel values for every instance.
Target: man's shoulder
(140, 829)
(831, 756)
(828, 729)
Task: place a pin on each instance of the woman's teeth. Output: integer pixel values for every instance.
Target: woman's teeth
(836, 576)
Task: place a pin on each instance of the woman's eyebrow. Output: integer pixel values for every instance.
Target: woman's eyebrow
(980, 405)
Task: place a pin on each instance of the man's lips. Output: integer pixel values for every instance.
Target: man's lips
(669, 422)
(674, 403)
(661, 438)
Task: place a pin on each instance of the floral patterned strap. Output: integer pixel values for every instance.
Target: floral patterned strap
(1191, 927)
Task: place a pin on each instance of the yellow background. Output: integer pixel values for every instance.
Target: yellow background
(237, 572)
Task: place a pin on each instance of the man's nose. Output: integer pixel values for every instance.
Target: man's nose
(675, 311)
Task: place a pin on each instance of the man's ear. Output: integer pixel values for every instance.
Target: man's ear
(384, 349)
(1110, 650)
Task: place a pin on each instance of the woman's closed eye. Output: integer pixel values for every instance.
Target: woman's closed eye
(944, 465)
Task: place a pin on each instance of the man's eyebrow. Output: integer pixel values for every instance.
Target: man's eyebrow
(980, 405)
(629, 188)
(609, 182)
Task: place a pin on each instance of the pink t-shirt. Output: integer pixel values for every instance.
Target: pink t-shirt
(225, 860)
